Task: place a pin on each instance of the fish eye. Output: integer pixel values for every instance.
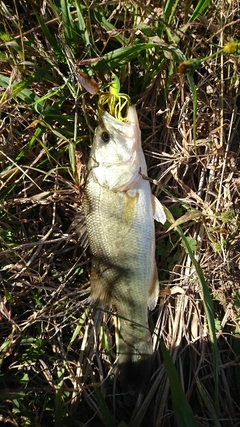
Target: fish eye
(105, 137)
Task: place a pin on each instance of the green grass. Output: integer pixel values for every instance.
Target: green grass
(57, 354)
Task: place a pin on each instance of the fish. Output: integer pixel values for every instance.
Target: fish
(120, 210)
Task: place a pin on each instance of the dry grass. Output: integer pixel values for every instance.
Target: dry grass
(57, 353)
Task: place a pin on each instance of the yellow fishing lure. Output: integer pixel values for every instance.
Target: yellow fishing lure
(115, 102)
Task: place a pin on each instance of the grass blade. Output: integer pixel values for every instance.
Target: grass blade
(108, 418)
(200, 8)
(182, 410)
(208, 306)
(208, 404)
(81, 23)
(121, 56)
(104, 23)
(68, 24)
(19, 89)
(169, 10)
(52, 41)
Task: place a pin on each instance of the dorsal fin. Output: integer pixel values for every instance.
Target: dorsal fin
(79, 226)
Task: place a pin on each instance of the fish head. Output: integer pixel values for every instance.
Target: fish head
(116, 155)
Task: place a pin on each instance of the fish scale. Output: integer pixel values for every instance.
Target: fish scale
(119, 217)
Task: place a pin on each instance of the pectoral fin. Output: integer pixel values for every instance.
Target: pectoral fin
(153, 291)
(158, 211)
(129, 209)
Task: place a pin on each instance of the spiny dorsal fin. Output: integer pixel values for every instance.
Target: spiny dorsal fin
(79, 226)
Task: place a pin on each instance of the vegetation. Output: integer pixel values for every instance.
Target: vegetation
(178, 61)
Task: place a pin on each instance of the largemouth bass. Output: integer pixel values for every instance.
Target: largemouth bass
(120, 211)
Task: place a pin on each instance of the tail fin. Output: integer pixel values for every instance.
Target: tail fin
(135, 376)
(135, 357)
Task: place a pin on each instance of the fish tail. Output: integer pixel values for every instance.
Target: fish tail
(135, 359)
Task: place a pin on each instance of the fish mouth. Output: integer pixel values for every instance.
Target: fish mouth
(132, 116)
(131, 120)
